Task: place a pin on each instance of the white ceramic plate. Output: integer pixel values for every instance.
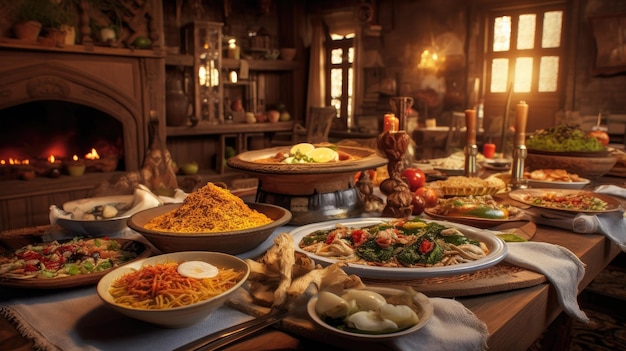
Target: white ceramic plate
(522, 195)
(557, 185)
(497, 252)
(423, 303)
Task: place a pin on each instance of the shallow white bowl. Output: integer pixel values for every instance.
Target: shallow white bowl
(178, 317)
(100, 226)
(424, 312)
(558, 185)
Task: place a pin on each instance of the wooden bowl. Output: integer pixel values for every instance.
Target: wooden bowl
(590, 167)
(232, 242)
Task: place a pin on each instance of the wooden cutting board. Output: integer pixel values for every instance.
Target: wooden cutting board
(498, 278)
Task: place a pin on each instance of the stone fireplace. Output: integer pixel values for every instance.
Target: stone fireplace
(101, 83)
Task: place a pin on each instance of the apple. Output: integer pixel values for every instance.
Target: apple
(284, 116)
(189, 168)
(414, 177)
(419, 204)
(250, 118)
(429, 195)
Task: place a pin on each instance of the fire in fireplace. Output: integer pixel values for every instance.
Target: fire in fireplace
(36, 131)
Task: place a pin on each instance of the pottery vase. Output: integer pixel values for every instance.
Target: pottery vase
(177, 106)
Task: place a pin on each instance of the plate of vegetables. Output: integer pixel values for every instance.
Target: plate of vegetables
(67, 263)
(481, 211)
(399, 248)
(569, 200)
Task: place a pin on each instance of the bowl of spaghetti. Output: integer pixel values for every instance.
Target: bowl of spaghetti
(210, 219)
(190, 287)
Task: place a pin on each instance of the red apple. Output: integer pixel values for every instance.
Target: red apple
(419, 204)
(602, 137)
(429, 195)
(414, 177)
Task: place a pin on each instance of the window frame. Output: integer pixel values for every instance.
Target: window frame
(345, 66)
(536, 53)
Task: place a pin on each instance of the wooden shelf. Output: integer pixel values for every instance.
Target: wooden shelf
(261, 65)
(253, 65)
(12, 43)
(229, 128)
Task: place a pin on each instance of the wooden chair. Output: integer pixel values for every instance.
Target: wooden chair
(317, 128)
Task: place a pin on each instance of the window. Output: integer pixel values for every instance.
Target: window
(524, 50)
(340, 75)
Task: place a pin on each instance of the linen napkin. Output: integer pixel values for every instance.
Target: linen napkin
(452, 327)
(560, 266)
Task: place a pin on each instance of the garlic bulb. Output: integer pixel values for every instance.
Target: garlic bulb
(331, 305)
(109, 211)
(402, 315)
(364, 299)
(370, 321)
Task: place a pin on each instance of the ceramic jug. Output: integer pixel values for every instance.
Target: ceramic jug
(177, 106)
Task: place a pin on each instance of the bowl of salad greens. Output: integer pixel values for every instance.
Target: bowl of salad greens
(564, 139)
(569, 148)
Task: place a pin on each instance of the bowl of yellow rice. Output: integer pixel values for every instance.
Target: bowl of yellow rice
(210, 219)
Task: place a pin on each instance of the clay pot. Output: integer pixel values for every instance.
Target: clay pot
(177, 106)
(28, 31)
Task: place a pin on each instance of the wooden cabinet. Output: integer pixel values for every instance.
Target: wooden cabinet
(206, 143)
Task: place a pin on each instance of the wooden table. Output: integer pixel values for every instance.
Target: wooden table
(515, 319)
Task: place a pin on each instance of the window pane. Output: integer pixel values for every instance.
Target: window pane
(335, 83)
(337, 104)
(523, 74)
(499, 75)
(351, 55)
(526, 32)
(552, 23)
(335, 56)
(548, 73)
(502, 33)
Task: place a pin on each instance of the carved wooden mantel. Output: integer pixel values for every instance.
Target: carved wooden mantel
(125, 83)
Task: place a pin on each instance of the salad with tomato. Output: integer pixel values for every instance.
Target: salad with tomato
(395, 243)
(62, 259)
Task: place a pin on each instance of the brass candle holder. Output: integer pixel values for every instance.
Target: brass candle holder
(519, 150)
(470, 150)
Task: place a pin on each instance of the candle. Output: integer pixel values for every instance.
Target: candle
(391, 123)
(470, 123)
(489, 150)
(521, 116)
(75, 167)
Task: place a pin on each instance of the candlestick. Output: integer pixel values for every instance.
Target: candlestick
(470, 123)
(519, 152)
(521, 116)
(471, 150)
